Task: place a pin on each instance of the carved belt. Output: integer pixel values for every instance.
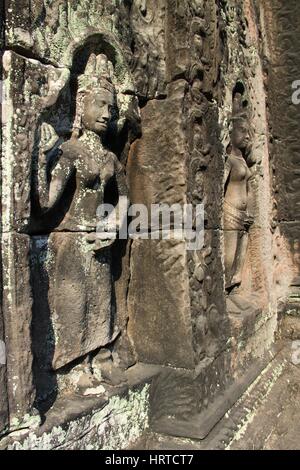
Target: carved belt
(234, 219)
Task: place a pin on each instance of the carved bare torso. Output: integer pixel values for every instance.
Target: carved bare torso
(91, 168)
(237, 184)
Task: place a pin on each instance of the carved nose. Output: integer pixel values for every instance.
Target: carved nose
(105, 115)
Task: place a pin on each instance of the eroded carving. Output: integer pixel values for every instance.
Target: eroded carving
(148, 47)
(74, 177)
(237, 219)
(87, 309)
(85, 158)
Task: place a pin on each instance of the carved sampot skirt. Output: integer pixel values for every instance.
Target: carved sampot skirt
(80, 290)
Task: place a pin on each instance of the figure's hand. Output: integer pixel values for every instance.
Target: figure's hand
(57, 80)
(49, 138)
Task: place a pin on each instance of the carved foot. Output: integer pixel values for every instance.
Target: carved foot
(106, 371)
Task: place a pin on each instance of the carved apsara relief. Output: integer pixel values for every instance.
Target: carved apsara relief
(72, 127)
(87, 169)
(238, 218)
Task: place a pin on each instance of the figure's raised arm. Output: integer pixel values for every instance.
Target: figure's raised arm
(49, 142)
(51, 180)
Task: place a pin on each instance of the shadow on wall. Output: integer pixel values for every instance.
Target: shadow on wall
(43, 340)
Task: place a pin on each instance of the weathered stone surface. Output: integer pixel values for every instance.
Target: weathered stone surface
(123, 352)
(3, 372)
(58, 185)
(169, 95)
(52, 31)
(159, 307)
(207, 298)
(147, 20)
(191, 404)
(156, 168)
(282, 33)
(3, 380)
(17, 311)
(74, 313)
(290, 324)
(27, 89)
(270, 421)
(292, 227)
(89, 424)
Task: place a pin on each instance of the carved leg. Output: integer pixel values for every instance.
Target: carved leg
(242, 245)
(231, 246)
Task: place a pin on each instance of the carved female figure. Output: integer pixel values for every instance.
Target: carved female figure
(80, 285)
(237, 219)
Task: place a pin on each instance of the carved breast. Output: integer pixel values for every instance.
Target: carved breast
(94, 172)
(88, 173)
(240, 170)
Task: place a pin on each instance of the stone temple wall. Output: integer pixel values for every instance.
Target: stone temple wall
(281, 50)
(165, 102)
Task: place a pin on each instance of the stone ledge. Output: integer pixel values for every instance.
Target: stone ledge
(87, 423)
(233, 425)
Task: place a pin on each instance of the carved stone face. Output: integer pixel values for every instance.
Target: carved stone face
(240, 136)
(97, 111)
